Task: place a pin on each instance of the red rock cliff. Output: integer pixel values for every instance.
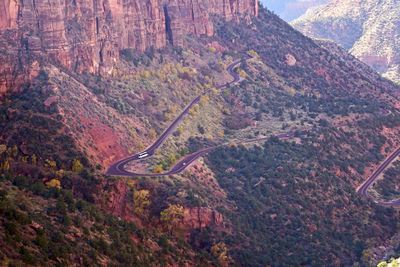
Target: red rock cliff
(86, 35)
(8, 14)
(197, 218)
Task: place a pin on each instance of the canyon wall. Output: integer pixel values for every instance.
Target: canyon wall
(85, 35)
(8, 14)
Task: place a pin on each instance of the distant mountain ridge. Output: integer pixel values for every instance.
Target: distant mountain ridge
(369, 29)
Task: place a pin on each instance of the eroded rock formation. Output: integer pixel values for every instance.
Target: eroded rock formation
(200, 217)
(84, 35)
(369, 29)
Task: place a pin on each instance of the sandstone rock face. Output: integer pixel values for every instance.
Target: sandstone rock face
(8, 14)
(192, 16)
(84, 35)
(188, 16)
(117, 202)
(369, 29)
(197, 218)
(15, 70)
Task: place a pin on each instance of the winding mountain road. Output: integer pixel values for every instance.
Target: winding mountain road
(363, 189)
(118, 168)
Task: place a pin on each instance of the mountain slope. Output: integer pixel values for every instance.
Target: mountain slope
(243, 204)
(296, 197)
(368, 29)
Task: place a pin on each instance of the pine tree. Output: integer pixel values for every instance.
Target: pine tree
(141, 201)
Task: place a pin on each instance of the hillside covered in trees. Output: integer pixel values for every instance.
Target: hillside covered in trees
(270, 202)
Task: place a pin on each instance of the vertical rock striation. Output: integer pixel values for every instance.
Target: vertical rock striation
(87, 35)
(8, 14)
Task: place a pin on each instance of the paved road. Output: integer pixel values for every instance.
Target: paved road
(363, 189)
(118, 168)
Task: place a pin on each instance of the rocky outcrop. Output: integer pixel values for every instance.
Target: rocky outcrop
(200, 217)
(15, 69)
(117, 202)
(84, 35)
(368, 29)
(193, 16)
(184, 17)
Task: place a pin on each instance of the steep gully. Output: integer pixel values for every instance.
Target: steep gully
(118, 168)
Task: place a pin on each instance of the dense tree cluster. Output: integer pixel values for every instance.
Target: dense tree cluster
(288, 200)
(388, 187)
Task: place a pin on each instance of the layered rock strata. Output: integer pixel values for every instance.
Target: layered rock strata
(84, 35)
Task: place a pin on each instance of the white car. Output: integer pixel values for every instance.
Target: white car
(143, 155)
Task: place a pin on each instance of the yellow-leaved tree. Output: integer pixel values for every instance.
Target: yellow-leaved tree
(204, 100)
(5, 166)
(60, 173)
(34, 159)
(171, 159)
(54, 183)
(220, 252)
(158, 168)
(392, 263)
(172, 215)
(77, 166)
(141, 200)
(253, 53)
(3, 148)
(51, 164)
(242, 73)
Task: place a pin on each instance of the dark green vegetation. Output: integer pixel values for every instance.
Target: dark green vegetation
(285, 203)
(290, 202)
(51, 216)
(36, 128)
(49, 226)
(296, 200)
(388, 186)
